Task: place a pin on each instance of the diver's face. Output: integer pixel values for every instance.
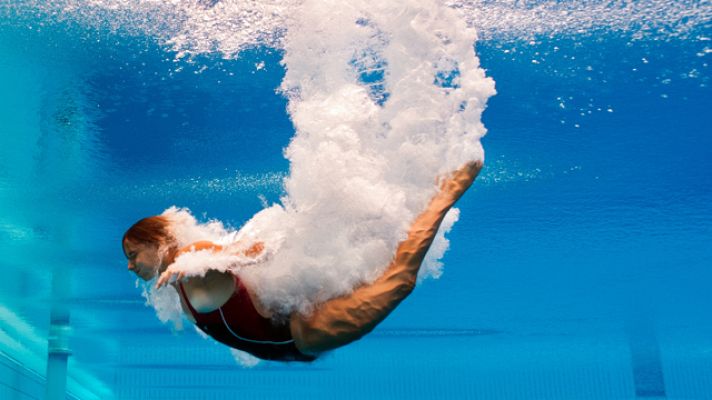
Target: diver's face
(143, 258)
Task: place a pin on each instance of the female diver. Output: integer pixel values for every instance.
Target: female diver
(222, 306)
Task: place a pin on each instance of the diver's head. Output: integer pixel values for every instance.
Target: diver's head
(148, 245)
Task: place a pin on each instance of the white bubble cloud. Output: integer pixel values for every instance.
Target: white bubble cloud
(363, 162)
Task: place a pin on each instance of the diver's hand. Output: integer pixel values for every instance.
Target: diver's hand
(168, 275)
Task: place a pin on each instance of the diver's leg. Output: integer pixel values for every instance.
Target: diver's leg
(342, 320)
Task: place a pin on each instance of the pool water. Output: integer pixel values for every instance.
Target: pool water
(580, 266)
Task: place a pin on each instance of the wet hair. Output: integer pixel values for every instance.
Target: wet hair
(150, 230)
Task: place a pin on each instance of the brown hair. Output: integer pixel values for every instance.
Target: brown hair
(150, 230)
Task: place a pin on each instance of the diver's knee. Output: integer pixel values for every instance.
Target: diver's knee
(297, 329)
(306, 339)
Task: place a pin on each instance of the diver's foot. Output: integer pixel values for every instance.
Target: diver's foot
(455, 185)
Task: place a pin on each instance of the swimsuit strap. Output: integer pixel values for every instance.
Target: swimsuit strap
(185, 298)
(193, 311)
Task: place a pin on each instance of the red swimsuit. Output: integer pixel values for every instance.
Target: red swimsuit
(238, 324)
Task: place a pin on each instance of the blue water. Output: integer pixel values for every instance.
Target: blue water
(580, 267)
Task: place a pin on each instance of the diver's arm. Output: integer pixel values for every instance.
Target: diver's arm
(253, 251)
(170, 273)
(198, 246)
(214, 287)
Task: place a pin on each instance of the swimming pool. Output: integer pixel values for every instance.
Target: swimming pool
(579, 268)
